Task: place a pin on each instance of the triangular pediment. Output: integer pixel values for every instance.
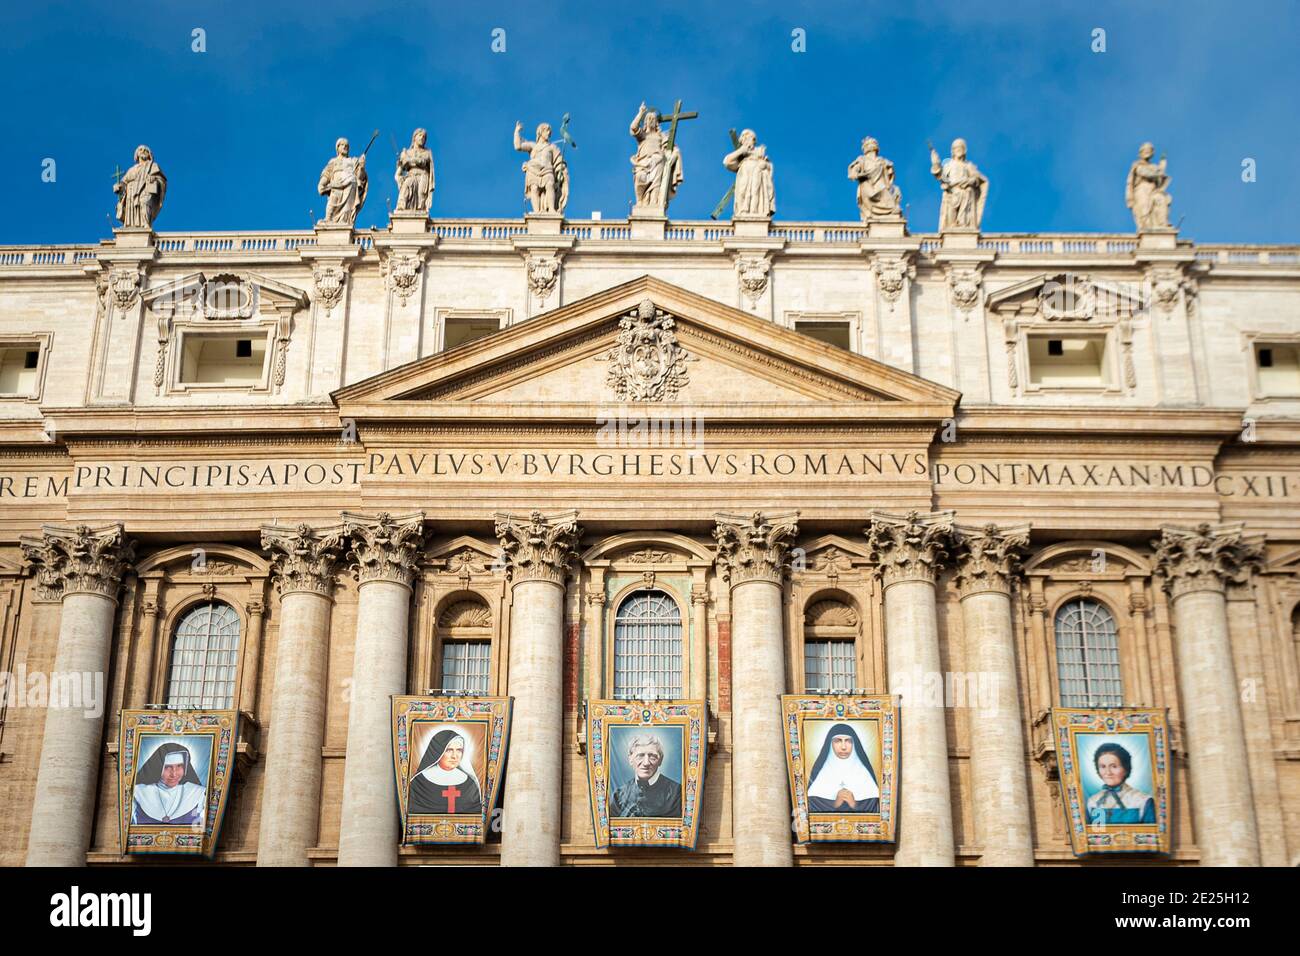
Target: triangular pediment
(647, 341)
(1065, 296)
(226, 295)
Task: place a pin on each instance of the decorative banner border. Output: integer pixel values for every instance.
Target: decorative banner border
(1088, 838)
(494, 714)
(221, 727)
(812, 827)
(690, 717)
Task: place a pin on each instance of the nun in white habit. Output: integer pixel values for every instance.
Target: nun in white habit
(842, 779)
(168, 791)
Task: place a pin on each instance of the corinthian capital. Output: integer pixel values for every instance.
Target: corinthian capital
(384, 548)
(988, 558)
(304, 558)
(1206, 557)
(78, 560)
(909, 547)
(539, 547)
(754, 547)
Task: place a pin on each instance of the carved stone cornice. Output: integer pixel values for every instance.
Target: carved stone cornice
(754, 547)
(383, 547)
(539, 547)
(911, 547)
(80, 560)
(988, 558)
(304, 558)
(1206, 558)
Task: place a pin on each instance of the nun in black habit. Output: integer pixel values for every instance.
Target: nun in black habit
(168, 791)
(444, 784)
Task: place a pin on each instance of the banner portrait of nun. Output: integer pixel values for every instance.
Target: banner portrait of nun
(174, 771)
(842, 779)
(841, 751)
(169, 790)
(445, 781)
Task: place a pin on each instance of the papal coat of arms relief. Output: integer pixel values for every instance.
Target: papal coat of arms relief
(647, 364)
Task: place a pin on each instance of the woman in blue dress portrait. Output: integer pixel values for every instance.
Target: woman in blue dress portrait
(1116, 801)
(842, 779)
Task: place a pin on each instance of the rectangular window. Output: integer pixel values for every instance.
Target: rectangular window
(1078, 361)
(210, 359)
(828, 666)
(457, 330)
(465, 665)
(20, 369)
(1277, 366)
(838, 334)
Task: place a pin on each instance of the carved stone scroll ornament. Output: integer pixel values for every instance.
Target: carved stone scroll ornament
(754, 547)
(384, 548)
(402, 271)
(965, 286)
(125, 286)
(646, 363)
(283, 329)
(1206, 558)
(988, 558)
(1166, 284)
(539, 547)
(891, 276)
(911, 547)
(304, 558)
(330, 281)
(543, 272)
(77, 560)
(752, 273)
(160, 362)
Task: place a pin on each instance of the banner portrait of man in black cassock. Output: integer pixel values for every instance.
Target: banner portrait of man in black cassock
(651, 792)
(445, 781)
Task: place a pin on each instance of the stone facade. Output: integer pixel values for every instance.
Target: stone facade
(664, 404)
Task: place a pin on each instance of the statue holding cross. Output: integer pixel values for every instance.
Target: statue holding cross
(657, 165)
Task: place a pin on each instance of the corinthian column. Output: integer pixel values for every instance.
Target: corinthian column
(752, 553)
(303, 561)
(537, 550)
(988, 559)
(385, 550)
(1196, 564)
(85, 565)
(908, 551)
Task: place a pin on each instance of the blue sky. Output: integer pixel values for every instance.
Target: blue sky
(243, 129)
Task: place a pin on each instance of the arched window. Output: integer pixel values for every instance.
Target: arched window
(205, 658)
(1087, 655)
(465, 634)
(830, 629)
(648, 646)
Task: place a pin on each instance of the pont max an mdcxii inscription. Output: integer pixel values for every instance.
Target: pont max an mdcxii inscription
(274, 475)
